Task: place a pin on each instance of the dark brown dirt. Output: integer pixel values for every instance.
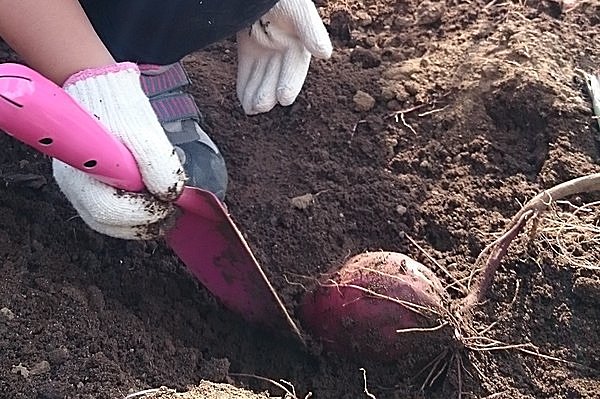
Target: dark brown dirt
(502, 115)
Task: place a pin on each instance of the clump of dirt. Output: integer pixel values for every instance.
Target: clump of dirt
(205, 390)
(467, 110)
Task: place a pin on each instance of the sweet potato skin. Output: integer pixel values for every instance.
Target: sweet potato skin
(359, 310)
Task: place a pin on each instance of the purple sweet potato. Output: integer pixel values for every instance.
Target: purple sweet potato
(370, 305)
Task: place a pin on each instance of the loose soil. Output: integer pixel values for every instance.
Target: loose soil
(502, 113)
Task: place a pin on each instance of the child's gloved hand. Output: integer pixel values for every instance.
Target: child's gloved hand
(114, 95)
(274, 54)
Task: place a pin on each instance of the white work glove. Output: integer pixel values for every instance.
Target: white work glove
(114, 96)
(274, 54)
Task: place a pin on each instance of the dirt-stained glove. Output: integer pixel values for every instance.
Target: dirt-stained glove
(274, 54)
(114, 95)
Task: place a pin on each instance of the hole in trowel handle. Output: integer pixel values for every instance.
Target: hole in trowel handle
(48, 141)
(90, 164)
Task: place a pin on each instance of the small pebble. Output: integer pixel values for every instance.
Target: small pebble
(40, 368)
(364, 19)
(7, 313)
(404, 70)
(302, 201)
(401, 209)
(363, 101)
(20, 369)
(429, 12)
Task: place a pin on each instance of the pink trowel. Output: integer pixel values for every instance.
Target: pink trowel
(41, 114)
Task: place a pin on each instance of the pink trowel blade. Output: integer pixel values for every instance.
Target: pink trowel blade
(39, 113)
(235, 273)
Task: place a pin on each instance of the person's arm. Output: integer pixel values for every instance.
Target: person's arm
(57, 39)
(54, 37)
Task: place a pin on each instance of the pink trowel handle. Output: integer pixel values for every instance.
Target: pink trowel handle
(41, 114)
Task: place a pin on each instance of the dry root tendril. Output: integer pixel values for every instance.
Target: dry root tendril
(468, 341)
